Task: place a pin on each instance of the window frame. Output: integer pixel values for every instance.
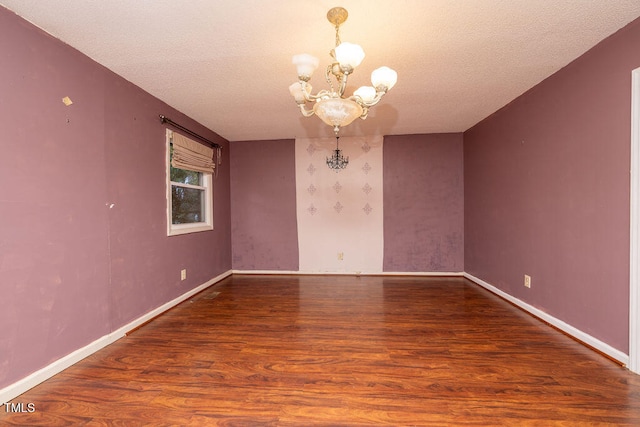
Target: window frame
(206, 187)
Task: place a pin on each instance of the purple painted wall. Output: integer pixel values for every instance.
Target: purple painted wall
(263, 205)
(423, 203)
(72, 269)
(547, 192)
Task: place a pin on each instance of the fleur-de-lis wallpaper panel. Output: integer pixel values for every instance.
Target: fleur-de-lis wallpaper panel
(340, 214)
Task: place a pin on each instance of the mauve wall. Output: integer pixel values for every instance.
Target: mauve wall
(547, 192)
(72, 268)
(263, 205)
(423, 203)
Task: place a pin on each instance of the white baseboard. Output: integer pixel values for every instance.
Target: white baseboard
(346, 273)
(424, 273)
(565, 327)
(16, 389)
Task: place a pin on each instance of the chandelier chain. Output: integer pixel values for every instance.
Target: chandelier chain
(327, 77)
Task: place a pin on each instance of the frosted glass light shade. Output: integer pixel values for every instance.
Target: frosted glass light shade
(337, 111)
(296, 91)
(306, 64)
(366, 93)
(349, 55)
(384, 76)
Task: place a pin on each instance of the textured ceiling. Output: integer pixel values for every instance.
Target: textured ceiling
(228, 65)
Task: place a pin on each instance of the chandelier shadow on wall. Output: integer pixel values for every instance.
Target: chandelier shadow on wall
(331, 105)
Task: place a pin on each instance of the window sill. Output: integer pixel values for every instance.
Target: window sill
(178, 229)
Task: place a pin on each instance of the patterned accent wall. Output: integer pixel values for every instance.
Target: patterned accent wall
(340, 214)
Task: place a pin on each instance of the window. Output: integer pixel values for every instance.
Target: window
(189, 192)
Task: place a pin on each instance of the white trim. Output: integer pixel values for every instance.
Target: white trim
(206, 187)
(423, 273)
(16, 389)
(565, 327)
(357, 273)
(634, 225)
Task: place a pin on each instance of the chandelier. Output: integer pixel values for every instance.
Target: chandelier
(337, 161)
(331, 105)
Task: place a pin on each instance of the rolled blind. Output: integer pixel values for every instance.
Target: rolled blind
(191, 155)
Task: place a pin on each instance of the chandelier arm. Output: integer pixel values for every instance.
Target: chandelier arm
(323, 94)
(373, 102)
(305, 112)
(343, 83)
(308, 96)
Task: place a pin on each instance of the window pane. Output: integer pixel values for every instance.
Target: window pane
(187, 205)
(185, 176)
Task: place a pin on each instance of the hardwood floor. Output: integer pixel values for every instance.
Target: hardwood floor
(339, 351)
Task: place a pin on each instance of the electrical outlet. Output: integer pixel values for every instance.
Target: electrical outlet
(183, 274)
(340, 256)
(527, 281)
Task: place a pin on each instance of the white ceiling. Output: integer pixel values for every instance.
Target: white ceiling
(227, 64)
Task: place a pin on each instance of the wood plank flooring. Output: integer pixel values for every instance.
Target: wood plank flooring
(339, 351)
